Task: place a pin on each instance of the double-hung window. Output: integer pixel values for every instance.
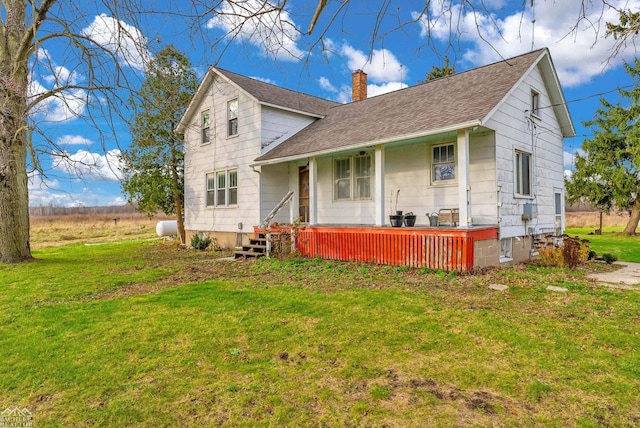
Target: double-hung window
(443, 163)
(222, 188)
(352, 177)
(204, 125)
(211, 189)
(523, 176)
(232, 117)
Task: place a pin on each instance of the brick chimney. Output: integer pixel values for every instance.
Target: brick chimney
(358, 85)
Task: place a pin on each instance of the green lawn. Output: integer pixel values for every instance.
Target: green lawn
(612, 241)
(144, 334)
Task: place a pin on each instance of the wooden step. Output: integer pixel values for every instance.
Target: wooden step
(241, 254)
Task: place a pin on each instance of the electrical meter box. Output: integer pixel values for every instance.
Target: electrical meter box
(529, 211)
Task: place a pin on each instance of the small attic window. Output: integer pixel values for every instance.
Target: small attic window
(535, 103)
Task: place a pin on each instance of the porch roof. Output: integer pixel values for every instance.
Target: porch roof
(454, 102)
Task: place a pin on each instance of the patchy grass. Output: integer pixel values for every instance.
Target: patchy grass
(146, 334)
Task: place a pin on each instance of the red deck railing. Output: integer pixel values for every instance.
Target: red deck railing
(434, 248)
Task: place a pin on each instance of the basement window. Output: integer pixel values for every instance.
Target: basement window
(506, 250)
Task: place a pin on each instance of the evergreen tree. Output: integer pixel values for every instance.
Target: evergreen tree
(438, 72)
(154, 162)
(609, 172)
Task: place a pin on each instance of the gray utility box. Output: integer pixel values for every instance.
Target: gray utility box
(529, 211)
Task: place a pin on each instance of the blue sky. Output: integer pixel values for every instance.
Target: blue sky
(396, 52)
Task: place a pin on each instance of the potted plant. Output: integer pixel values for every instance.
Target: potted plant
(409, 219)
(397, 218)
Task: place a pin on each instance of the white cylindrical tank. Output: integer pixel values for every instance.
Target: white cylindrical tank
(167, 228)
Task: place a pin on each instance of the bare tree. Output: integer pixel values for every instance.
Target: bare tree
(86, 83)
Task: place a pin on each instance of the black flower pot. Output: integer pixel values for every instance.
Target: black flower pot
(396, 220)
(410, 220)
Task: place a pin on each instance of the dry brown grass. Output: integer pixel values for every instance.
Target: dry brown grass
(65, 229)
(592, 219)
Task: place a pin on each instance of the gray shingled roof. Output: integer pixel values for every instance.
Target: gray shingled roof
(438, 104)
(275, 95)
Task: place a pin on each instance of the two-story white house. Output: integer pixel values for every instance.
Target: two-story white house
(482, 149)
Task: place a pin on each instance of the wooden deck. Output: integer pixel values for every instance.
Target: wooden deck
(430, 247)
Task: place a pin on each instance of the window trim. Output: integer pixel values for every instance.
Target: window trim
(353, 177)
(230, 119)
(202, 127)
(517, 174)
(432, 164)
(212, 198)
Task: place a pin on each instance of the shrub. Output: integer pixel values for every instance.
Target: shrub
(591, 255)
(200, 243)
(569, 253)
(609, 258)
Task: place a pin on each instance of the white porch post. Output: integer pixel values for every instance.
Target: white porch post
(379, 185)
(463, 177)
(313, 191)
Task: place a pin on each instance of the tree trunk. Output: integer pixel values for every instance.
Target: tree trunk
(177, 195)
(14, 198)
(180, 214)
(14, 193)
(632, 224)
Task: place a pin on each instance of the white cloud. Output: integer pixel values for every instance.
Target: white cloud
(570, 157)
(373, 90)
(123, 40)
(381, 66)
(264, 79)
(568, 174)
(48, 192)
(260, 23)
(578, 53)
(326, 84)
(64, 105)
(73, 140)
(90, 166)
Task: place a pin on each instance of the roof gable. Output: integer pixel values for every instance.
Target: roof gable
(461, 100)
(262, 92)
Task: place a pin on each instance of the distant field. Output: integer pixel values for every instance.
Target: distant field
(65, 229)
(592, 219)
